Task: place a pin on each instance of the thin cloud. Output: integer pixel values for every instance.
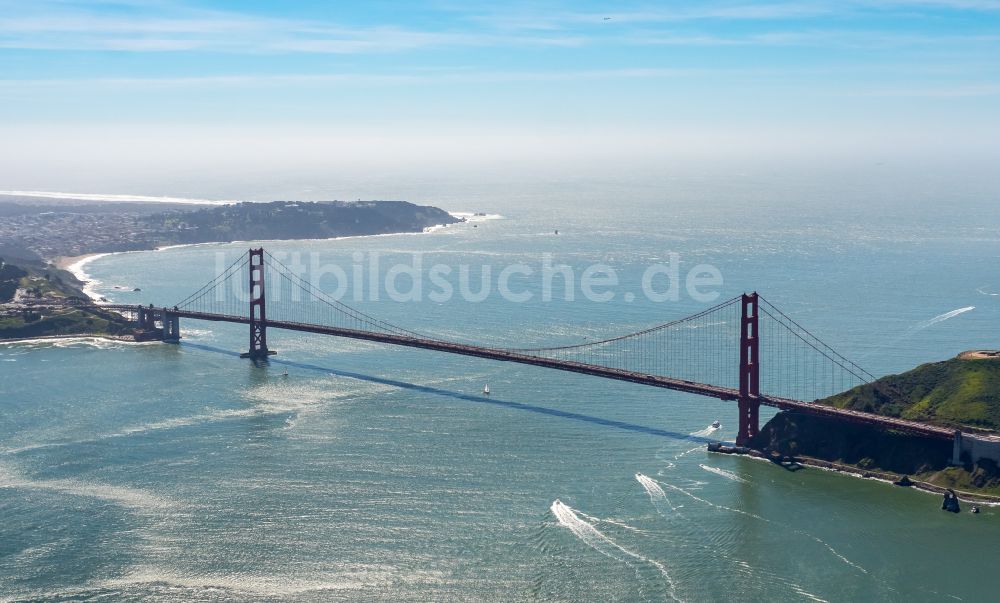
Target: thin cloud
(813, 38)
(232, 32)
(151, 26)
(943, 91)
(358, 78)
(963, 5)
(552, 20)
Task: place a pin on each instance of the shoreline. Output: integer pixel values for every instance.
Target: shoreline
(67, 262)
(891, 478)
(75, 264)
(874, 475)
(44, 338)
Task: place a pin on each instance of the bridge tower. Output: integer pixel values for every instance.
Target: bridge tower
(258, 308)
(749, 401)
(171, 327)
(146, 318)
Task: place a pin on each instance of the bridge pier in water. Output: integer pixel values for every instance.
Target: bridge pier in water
(332, 318)
(171, 327)
(146, 318)
(748, 402)
(258, 309)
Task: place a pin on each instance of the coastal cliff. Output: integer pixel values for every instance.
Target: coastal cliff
(961, 393)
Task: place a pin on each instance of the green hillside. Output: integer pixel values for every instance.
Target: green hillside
(961, 392)
(44, 308)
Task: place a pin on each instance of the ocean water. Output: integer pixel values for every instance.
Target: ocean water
(161, 472)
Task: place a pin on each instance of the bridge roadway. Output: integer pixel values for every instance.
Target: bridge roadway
(691, 387)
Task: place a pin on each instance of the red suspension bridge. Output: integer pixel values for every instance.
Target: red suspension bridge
(743, 350)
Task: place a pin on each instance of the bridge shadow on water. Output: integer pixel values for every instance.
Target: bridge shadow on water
(436, 391)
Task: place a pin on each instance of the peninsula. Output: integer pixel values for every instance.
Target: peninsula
(962, 393)
(39, 298)
(52, 228)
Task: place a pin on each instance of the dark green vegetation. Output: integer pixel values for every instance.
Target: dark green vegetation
(293, 220)
(963, 393)
(954, 393)
(34, 295)
(42, 308)
(10, 280)
(983, 476)
(52, 228)
(61, 322)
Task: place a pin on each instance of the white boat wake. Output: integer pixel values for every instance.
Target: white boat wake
(941, 318)
(656, 494)
(820, 541)
(601, 543)
(658, 497)
(724, 473)
(921, 326)
(614, 522)
(702, 433)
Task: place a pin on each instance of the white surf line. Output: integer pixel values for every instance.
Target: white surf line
(724, 473)
(471, 217)
(65, 341)
(90, 284)
(596, 540)
(766, 520)
(108, 197)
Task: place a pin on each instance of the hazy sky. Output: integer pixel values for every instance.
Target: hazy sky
(87, 85)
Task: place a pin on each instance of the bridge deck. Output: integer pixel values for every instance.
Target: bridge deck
(702, 389)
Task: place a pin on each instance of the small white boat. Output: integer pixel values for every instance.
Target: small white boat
(285, 374)
(716, 425)
(486, 389)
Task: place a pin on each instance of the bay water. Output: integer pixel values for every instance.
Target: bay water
(156, 472)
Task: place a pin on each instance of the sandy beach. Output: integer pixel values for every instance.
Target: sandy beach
(68, 262)
(75, 264)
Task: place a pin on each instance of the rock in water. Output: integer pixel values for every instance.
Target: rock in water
(950, 502)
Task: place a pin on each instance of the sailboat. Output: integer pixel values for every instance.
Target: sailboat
(486, 389)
